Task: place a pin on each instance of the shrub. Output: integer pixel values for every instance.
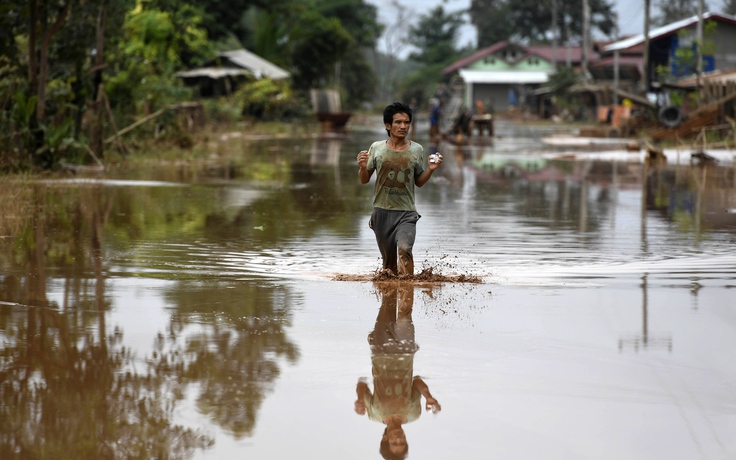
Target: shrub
(267, 100)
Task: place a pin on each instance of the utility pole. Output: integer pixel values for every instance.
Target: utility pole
(554, 34)
(699, 70)
(615, 64)
(568, 57)
(700, 37)
(645, 67)
(586, 37)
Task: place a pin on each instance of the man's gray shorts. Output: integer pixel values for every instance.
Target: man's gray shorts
(395, 233)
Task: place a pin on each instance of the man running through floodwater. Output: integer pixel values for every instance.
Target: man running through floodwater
(399, 164)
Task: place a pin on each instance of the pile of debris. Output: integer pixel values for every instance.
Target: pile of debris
(708, 116)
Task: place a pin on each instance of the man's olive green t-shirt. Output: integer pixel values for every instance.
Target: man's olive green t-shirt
(396, 172)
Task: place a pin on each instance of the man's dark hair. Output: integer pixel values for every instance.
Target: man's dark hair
(385, 449)
(393, 109)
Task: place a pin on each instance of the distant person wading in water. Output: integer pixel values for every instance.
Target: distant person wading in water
(399, 163)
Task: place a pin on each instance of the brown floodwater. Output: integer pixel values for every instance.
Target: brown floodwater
(575, 303)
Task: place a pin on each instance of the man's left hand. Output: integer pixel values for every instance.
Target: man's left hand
(438, 161)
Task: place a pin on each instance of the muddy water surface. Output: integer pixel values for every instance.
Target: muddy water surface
(224, 309)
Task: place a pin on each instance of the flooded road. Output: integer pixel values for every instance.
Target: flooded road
(192, 310)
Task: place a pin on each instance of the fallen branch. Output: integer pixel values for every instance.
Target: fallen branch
(97, 159)
(116, 136)
(136, 124)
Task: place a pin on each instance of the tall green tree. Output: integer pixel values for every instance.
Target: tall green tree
(159, 38)
(47, 47)
(729, 7)
(170, 32)
(317, 43)
(323, 42)
(355, 76)
(675, 10)
(531, 20)
(358, 17)
(435, 37)
(12, 20)
(222, 19)
(267, 35)
(46, 18)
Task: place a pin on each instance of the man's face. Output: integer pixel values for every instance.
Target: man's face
(397, 441)
(399, 128)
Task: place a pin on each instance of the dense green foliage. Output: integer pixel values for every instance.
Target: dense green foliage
(72, 72)
(674, 10)
(729, 7)
(434, 37)
(532, 20)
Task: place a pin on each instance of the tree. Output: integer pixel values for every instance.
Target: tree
(167, 33)
(675, 10)
(483, 13)
(531, 20)
(316, 45)
(395, 39)
(729, 7)
(155, 43)
(323, 42)
(267, 33)
(434, 36)
(222, 19)
(355, 78)
(12, 21)
(46, 19)
(50, 52)
(357, 17)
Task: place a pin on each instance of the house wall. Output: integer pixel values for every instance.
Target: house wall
(494, 97)
(723, 58)
(725, 38)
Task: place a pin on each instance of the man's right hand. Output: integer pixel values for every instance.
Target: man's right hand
(360, 408)
(363, 159)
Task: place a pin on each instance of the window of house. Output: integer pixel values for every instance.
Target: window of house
(510, 55)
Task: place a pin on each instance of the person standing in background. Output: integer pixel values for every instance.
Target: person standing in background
(414, 106)
(434, 120)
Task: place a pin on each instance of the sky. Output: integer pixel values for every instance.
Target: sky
(630, 13)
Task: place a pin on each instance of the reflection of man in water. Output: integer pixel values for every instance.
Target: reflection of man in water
(396, 396)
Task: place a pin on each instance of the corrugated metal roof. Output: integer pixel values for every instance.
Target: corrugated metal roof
(255, 64)
(485, 76)
(560, 55)
(543, 51)
(666, 30)
(478, 55)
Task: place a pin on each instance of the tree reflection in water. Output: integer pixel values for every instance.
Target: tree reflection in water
(235, 349)
(396, 396)
(69, 388)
